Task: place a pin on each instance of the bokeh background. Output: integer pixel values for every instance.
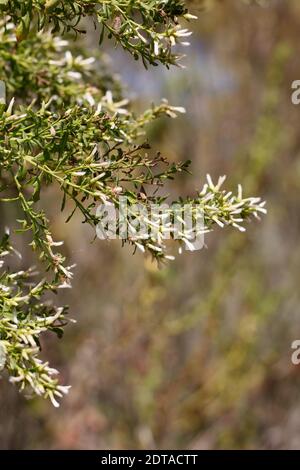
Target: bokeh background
(198, 354)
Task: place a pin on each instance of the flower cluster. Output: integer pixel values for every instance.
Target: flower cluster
(23, 318)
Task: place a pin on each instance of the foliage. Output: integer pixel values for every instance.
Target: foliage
(68, 123)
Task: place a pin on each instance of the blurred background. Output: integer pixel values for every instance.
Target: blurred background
(196, 355)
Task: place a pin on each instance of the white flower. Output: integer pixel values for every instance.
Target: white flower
(53, 401)
(183, 33)
(69, 58)
(178, 109)
(75, 75)
(170, 258)
(64, 389)
(90, 99)
(189, 16)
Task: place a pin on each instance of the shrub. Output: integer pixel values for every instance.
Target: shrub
(68, 123)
